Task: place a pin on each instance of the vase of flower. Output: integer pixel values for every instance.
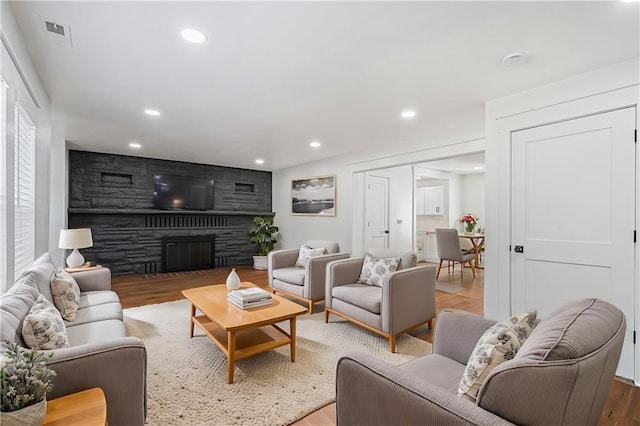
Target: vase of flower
(233, 280)
(25, 380)
(469, 223)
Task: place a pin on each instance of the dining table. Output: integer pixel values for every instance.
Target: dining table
(477, 242)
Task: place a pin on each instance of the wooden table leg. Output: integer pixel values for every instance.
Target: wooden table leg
(231, 357)
(292, 332)
(193, 314)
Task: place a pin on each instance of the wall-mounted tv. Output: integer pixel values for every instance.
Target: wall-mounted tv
(182, 192)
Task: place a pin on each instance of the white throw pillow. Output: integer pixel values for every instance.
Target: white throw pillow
(43, 327)
(498, 344)
(307, 252)
(375, 269)
(66, 294)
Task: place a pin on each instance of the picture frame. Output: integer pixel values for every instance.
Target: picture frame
(314, 196)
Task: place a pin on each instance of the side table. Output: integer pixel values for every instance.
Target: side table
(82, 268)
(86, 408)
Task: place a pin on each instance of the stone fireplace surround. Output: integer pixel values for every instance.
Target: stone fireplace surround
(112, 195)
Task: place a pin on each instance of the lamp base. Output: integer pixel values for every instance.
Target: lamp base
(75, 259)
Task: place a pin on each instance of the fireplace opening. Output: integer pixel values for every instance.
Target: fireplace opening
(188, 253)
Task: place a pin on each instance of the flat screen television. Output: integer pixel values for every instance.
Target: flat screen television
(182, 192)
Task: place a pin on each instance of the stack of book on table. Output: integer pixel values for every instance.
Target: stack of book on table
(249, 297)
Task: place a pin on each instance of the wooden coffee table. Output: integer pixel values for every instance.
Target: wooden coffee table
(241, 333)
(85, 408)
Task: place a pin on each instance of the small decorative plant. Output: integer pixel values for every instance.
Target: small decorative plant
(25, 377)
(264, 234)
(469, 221)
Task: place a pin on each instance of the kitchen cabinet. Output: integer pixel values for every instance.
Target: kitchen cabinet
(429, 200)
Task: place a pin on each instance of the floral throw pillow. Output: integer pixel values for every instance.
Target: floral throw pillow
(66, 294)
(43, 327)
(374, 269)
(498, 344)
(307, 252)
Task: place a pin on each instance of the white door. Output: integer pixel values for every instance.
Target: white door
(573, 216)
(377, 212)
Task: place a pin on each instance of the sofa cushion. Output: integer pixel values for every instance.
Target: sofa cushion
(306, 253)
(15, 304)
(576, 330)
(364, 296)
(95, 332)
(43, 327)
(375, 269)
(43, 269)
(293, 275)
(104, 312)
(437, 370)
(498, 344)
(93, 298)
(407, 258)
(330, 246)
(66, 294)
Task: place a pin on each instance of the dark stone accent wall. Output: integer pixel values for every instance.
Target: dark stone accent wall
(113, 195)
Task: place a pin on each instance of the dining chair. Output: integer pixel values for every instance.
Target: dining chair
(449, 249)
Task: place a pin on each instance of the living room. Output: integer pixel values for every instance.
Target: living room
(271, 78)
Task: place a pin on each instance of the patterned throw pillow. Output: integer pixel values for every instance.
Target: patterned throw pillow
(307, 252)
(374, 269)
(43, 327)
(66, 294)
(498, 344)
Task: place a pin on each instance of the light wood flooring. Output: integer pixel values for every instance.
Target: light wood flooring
(622, 407)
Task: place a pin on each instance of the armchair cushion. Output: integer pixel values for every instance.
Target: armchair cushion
(43, 327)
(498, 344)
(66, 294)
(293, 275)
(374, 269)
(361, 295)
(307, 252)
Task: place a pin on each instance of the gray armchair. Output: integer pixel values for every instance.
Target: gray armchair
(302, 283)
(449, 249)
(561, 375)
(406, 300)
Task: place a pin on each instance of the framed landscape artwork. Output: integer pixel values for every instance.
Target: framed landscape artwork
(314, 196)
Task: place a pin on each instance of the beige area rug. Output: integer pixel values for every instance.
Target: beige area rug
(448, 288)
(187, 378)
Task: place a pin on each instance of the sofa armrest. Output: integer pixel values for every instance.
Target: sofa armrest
(93, 280)
(315, 272)
(341, 272)
(118, 367)
(408, 298)
(280, 259)
(372, 392)
(456, 334)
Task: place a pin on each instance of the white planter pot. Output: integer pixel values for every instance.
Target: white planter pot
(260, 262)
(32, 415)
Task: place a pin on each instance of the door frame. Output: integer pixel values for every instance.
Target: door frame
(597, 92)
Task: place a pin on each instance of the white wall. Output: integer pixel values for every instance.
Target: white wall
(473, 202)
(25, 87)
(601, 90)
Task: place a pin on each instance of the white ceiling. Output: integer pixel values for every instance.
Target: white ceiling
(274, 76)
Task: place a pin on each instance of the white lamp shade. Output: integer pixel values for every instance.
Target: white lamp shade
(75, 238)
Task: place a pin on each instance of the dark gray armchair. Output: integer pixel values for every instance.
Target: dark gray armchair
(561, 375)
(406, 300)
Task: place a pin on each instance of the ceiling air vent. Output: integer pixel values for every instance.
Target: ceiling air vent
(56, 31)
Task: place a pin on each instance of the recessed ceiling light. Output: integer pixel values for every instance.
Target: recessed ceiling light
(515, 58)
(408, 114)
(315, 144)
(477, 168)
(135, 145)
(194, 36)
(152, 112)
(259, 161)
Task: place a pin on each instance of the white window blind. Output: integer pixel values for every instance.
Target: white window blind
(3, 183)
(24, 195)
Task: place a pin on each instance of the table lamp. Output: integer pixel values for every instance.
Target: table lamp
(75, 239)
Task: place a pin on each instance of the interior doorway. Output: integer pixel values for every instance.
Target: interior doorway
(377, 211)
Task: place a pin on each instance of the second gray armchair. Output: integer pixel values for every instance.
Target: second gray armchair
(405, 300)
(304, 283)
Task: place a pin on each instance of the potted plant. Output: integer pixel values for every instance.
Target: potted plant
(25, 381)
(264, 234)
(469, 222)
